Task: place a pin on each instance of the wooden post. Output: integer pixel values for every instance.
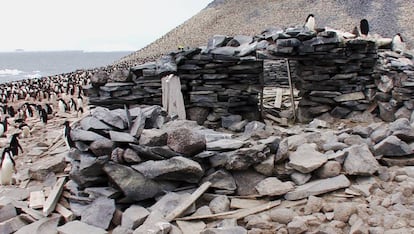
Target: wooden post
(187, 203)
(53, 197)
(292, 96)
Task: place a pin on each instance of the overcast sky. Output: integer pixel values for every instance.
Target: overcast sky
(90, 25)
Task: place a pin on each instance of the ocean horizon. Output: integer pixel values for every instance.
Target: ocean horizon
(20, 64)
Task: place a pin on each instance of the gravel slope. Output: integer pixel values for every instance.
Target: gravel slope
(250, 17)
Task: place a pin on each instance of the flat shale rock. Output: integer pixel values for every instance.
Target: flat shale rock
(134, 185)
(99, 213)
(317, 187)
(306, 159)
(101, 147)
(82, 135)
(225, 230)
(155, 223)
(246, 181)
(360, 161)
(221, 179)
(243, 158)
(186, 142)
(272, 186)
(108, 117)
(92, 123)
(176, 168)
(392, 146)
(12, 225)
(79, 227)
(46, 225)
(224, 144)
(153, 137)
(122, 137)
(134, 216)
(42, 167)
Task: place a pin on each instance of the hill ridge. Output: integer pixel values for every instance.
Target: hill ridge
(250, 17)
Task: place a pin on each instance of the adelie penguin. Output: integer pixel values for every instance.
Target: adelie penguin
(43, 116)
(66, 135)
(15, 145)
(364, 27)
(3, 126)
(72, 105)
(398, 44)
(7, 167)
(63, 107)
(79, 101)
(310, 22)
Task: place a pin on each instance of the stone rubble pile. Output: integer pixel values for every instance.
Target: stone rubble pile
(133, 167)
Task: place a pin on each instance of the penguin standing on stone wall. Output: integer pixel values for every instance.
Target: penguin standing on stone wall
(7, 167)
(310, 22)
(364, 27)
(398, 44)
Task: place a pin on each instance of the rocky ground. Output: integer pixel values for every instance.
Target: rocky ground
(330, 176)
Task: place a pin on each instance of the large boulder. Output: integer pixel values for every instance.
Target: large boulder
(132, 183)
(186, 142)
(176, 168)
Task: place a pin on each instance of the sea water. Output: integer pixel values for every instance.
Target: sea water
(26, 65)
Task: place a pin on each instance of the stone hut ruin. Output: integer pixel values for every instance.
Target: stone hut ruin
(334, 72)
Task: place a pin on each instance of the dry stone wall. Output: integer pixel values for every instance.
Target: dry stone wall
(333, 71)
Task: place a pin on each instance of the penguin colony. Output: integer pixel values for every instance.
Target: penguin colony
(29, 101)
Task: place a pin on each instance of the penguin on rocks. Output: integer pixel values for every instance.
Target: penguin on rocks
(66, 135)
(25, 130)
(15, 145)
(80, 112)
(49, 109)
(43, 116)
(7, 167)
(398, 44)
(63, 107)
(79, 101)
(3, 126)
(72, 105)
(310, 22)
(364, 27)
(11, 111)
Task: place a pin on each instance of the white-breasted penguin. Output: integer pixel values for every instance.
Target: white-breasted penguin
(72, 105)
(310, 22)
(66, 135)
(398, 44)
(7, 167)
(25, 130)
(79, 101)
(364, 27)
(3, 126)
(43, 116)
(63, 107)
